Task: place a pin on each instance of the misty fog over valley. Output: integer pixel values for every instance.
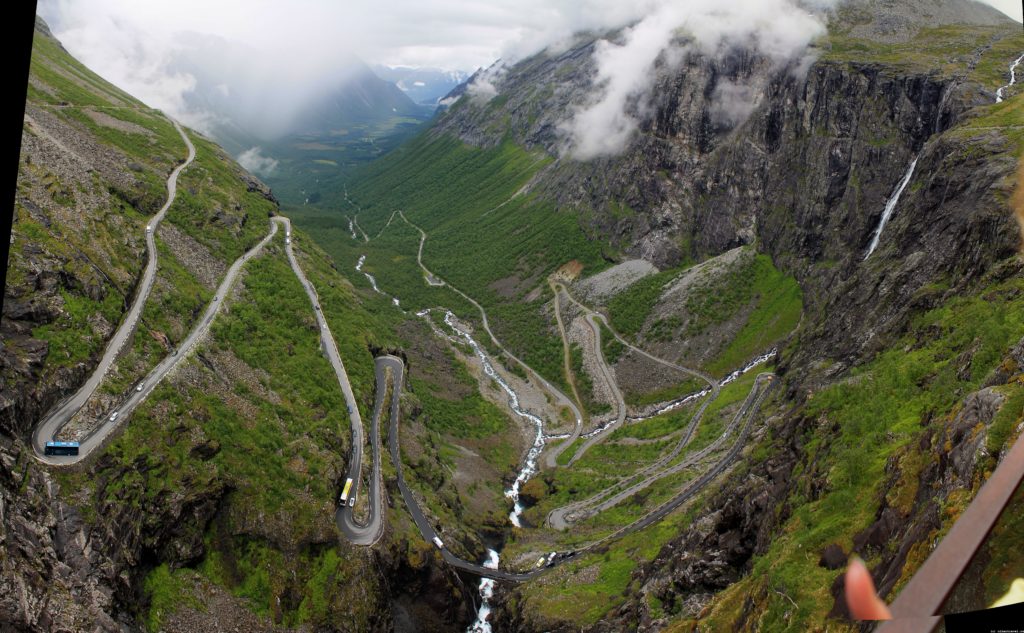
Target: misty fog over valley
(675, 315)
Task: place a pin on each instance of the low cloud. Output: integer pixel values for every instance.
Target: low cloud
(254, 160)
(732, 102)
(265, 59)
(483, 88)
(779, 29)
(624, 76)
(295, 45)
(261, 62)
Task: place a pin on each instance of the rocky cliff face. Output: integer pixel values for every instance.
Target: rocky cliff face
(804, 176)
(65, 572)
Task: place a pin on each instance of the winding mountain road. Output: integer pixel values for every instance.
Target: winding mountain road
(714, 385)
(366, 533)
(551, 460)
(392, 367)
(566, 349)
(606, 372)
(58, 417)
(357, 533)
(435, 280)
(693, 487)
(562, 518)
(606, 499)
(763, 385)
(53, 423)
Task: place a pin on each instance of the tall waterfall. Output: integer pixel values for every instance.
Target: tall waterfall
(890, 206)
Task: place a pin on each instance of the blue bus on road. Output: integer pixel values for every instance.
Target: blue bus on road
(61, 448)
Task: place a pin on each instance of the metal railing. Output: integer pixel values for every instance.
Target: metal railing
(917, 609)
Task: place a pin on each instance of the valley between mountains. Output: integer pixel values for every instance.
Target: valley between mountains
(477, 383)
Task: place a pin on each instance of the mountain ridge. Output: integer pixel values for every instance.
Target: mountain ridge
(898, 382)
(231, 461)
(803, 179)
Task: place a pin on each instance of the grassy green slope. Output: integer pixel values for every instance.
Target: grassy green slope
(251, 429)
(255, 411)
(977, 53)
(875, 415)
(770, 301)
(90, 217)
(483, 238)
(88, 248)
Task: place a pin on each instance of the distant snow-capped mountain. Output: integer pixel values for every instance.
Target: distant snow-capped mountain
(422, 85)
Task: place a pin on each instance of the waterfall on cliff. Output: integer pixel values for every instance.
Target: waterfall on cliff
(890, 206)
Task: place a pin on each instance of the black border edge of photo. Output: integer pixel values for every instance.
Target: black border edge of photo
(23, 16)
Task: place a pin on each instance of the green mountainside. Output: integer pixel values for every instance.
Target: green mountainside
(733, 240)
(215, 502)
(897, 384)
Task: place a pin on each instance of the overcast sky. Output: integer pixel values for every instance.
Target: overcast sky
(454, 34)
(451, 34)
(1011, 8)
(299, 48)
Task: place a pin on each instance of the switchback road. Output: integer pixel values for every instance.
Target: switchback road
(51, 426)
(62, 414)
(712, 383)
(609, 378)
(563, 517)
(762, 386)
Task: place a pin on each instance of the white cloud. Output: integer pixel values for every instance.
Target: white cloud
(131, 58)
(483, 87)
(481, 90)
(254, 160)
(779, 29)
(732, 102)
(455, 34)
(294, 47)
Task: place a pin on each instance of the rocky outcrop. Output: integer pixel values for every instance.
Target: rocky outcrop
(902, 532)
(805, 178)
(63, 571)
(804, 175)
(254, 184)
